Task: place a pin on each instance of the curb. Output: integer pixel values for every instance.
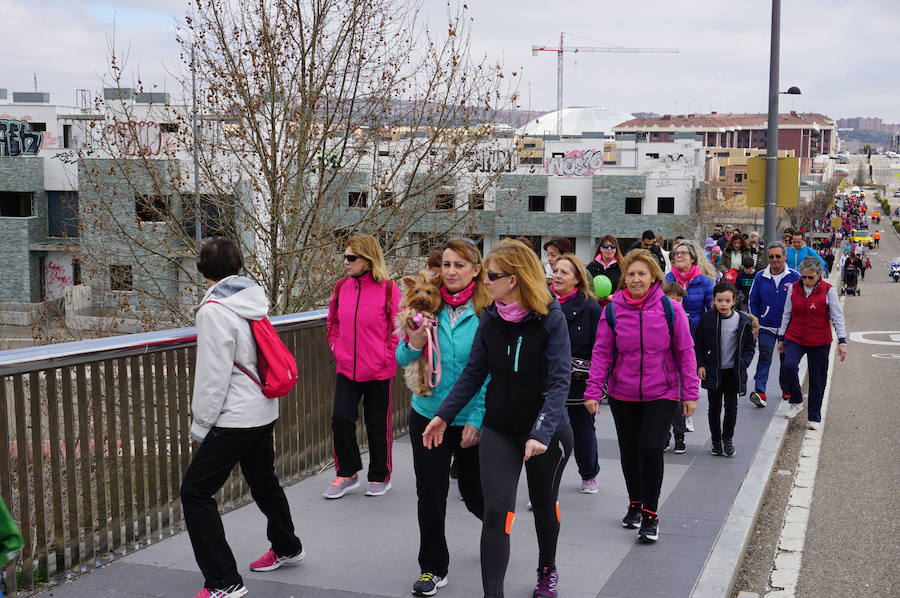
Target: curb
(720, 571)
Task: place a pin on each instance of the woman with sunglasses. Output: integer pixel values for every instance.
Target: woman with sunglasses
(361, 335)
(606, 261)
(812, 308)
(522, 343)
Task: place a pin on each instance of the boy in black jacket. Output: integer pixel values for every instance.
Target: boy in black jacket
(725, 343)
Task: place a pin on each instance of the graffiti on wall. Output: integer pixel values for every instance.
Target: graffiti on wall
(676, 161)
(575, 163)
(17, 139)
(495, 160)
(135, 138)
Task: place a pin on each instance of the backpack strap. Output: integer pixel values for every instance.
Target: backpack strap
(236, 364)
(670, 315)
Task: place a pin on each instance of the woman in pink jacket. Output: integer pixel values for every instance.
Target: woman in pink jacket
(644, 356)
(361, 335)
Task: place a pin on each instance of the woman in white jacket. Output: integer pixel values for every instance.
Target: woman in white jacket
(233, 422)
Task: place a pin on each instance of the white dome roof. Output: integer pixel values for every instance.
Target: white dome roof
(576, 121)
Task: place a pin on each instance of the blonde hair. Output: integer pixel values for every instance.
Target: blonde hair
(644, 256)
(698, 257)
(481, 297)
(365, 246)
(581, 274)
(515, 258)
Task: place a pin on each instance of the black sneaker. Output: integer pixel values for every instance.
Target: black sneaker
(668, 440)
(428, 584)
(728, 447)
(680, 448)
(649, 531)
(632, 519)
(716, 449)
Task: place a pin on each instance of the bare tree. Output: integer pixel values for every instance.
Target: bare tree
(317, 119)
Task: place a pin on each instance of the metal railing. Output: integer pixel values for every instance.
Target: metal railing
(94, 442)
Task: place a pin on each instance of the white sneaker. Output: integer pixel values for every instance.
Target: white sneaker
(689, 423)
(814, 425)
(793, 410)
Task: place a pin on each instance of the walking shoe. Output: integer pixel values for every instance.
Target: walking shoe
(680, 448)
(758, 398)
(235, 591)
(341, 486)
(785, 396)
(814, 425)
(793, 410)
(632, 519)
(668, 440)
(728, 448)
(716, 449)
(378, 488)
(271, 561)
(689, 423)
(649, 531)
(591, 486)
(428, 584)
(546, 583)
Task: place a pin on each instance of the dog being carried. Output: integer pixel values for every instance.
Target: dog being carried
(420, 304)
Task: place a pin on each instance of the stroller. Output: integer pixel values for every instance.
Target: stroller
(850, 280)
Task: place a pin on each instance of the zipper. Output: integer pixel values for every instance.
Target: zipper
(719, 349)
(355, 319)
(641, 327)
(518, 349)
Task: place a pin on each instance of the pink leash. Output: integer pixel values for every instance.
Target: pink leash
(433, 352)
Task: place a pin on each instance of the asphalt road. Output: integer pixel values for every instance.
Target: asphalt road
(852, 542)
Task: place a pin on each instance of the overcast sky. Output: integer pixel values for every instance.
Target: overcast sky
(844, 55)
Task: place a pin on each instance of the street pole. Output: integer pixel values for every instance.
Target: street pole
(771, 214)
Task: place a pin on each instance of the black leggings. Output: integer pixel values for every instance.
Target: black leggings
(727, 393)
(642, 428)
(501, 464)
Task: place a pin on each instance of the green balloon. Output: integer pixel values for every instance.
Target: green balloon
(602, 286)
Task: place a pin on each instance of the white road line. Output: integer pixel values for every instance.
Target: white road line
(789, 554)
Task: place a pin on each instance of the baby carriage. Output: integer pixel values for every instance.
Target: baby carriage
(851, 279)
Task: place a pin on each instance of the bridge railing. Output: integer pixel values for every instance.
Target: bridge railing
(94, 442)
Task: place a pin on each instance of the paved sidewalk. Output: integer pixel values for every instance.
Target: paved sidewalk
(364, 546)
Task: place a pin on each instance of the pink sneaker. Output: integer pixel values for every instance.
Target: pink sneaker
(235, 591)
(271, 561)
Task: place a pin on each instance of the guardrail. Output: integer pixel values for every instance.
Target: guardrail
(94, 443)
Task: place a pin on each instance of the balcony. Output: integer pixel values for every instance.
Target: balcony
(94, 443)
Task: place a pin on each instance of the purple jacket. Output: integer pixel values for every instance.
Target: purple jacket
(650, 365)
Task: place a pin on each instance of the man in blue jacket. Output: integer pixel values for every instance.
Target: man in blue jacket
(799, 250)
(768, 294)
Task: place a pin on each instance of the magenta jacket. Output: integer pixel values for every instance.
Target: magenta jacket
(360, 333)
(651, 364)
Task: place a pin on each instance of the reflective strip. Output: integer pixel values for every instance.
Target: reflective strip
(558, 514)
(510, 517)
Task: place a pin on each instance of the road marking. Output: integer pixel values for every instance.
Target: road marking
(886, 355)
(860, 337)
(789, 554)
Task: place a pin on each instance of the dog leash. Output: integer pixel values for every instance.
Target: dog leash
(433, 353)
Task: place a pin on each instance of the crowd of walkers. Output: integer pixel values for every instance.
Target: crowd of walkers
(528, 354)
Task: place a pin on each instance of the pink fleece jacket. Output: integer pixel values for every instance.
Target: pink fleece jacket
(650, 364)
(360, 334)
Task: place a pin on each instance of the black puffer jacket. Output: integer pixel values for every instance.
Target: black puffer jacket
(613, 272)
(707, 342)
(583, 315)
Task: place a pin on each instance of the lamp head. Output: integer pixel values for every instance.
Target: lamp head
(793, 91)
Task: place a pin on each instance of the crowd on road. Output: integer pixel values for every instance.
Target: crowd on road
(510, 360)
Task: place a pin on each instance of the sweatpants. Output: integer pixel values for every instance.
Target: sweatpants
(816, 373)
(376, 397)
(501, 464)
(221, 450)
(584, 441)
(766, 347)
(432, 469)
(641, 427)
(727, 394)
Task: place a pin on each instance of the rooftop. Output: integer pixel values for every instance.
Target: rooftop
(728, 120)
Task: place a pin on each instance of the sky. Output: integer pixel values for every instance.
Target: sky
(842, 55)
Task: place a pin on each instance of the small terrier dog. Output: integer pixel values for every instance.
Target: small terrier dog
(421, 301)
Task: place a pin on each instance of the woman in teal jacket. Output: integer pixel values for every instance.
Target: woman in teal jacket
(464, 296)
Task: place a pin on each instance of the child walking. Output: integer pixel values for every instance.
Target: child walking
(725, 343)
(676, 292)
(745, 281)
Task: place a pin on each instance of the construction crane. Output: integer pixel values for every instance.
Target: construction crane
(559, 64)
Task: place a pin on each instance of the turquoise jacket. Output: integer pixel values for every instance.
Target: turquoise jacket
(455, 344)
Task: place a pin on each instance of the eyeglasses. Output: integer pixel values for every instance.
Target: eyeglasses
(497, 275)
(676, 253)
(351, 258)
(813, 277)
(608, 246)
(776, 257)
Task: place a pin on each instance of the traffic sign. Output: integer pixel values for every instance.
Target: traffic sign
(788, 189)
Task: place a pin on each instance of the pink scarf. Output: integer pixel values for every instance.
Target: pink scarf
(685, 278)
(511, 312)
(636, 303)
(599, 259)
(458, 298)
(563, 298)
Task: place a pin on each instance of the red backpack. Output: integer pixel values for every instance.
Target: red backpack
(274, 361)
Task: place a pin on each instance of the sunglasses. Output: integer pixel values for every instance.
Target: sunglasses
(608, 246)
(776, 257)
(497, 275)
(813, 277)
(351, 258)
